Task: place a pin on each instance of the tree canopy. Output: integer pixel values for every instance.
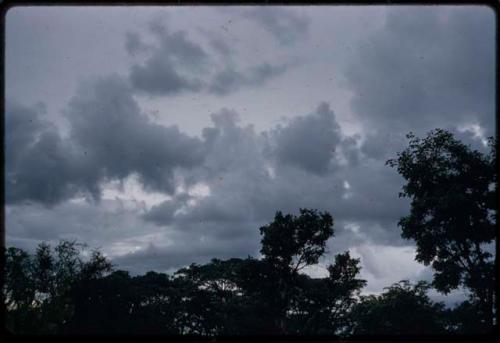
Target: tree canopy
(452, 217)
(61, 290)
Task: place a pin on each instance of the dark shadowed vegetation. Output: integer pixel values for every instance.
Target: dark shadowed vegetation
(65, 289)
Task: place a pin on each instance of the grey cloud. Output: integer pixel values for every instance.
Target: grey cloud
(220, 46)
(24, 124)
(425, 67)
(191, 249)
(170, 67)
(39, 166)
(383, 145)
(163, 213)
(99, 225)
(178, 64)
(471, 138)
(231, 148)
(230, 80)
(118, 140)
(226, 80)
(350, 149)
(309, 142)
(41, 172)
(177, 47)
(159, 77)
(286, 25)
(134, 43)
(243, 189)
(373, 193)
(244, 193)
(109, 139)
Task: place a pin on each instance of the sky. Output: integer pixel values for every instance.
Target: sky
(168, 135)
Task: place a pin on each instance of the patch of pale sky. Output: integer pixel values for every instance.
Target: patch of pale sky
(384, 265)
(477, 131)
(132, 190)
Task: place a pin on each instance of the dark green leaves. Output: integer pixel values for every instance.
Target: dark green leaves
(452, 217)
(296, 241)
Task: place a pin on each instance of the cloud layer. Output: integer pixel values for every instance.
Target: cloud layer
(109, 139)
(270, 133)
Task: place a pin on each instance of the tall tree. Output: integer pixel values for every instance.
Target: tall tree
(296, 241)
(38, 289)
(289, 244)
(322, 306)
(452, 217)
(19, 291)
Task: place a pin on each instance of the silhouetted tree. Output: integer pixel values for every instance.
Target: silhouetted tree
(403, 309)
(19, 291)
(218, 285)
(103, 305)
(37, 288)
(322, 306)
(452, 218)
(294, 242)
(463, 319)
(289, 244)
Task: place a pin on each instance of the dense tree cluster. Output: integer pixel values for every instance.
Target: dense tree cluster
(65, 289)
(453, 215)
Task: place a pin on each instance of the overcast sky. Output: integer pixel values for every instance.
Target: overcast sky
(169, 135)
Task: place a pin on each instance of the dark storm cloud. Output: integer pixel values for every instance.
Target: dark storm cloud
(168, 69)
(425, 68)
(39, 166)
(178, 64)
(230, 80)
(383, 145)
(286, 25)
(309, 142)
(164, 213)
(109, 139)
(118, 140)
(159, 77)
(249, 181)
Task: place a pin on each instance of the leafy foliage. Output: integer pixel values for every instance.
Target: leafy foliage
(452, 218)
(296, 242)
(224, 297)
(37, 288)
(402, 309)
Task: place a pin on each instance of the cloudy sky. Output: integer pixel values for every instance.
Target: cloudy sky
(169, 135)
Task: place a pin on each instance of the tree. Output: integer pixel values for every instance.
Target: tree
(58, 291)
(462, 319)
(217, 286)
(296, 241)
(44, 269)
(403, 309)
(38, 289)
(322, 306)
(452, 218)
(19, 291)
(289, 244)
(102, 305)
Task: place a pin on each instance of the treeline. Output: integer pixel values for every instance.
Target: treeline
(59, 290)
